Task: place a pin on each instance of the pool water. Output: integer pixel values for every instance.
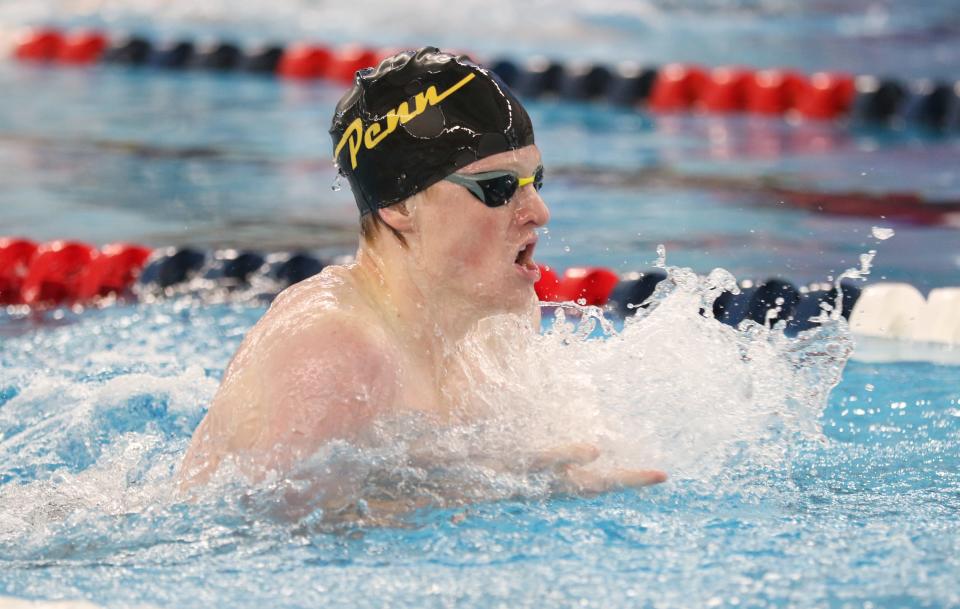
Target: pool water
(785, 491)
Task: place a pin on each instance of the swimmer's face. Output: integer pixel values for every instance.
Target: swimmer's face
(484, 254)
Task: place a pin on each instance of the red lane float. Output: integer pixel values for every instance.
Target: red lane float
(584, 285)
(41, 45)
(677, 87)
(772, 92)
(55, 272)
(825, 95)
(82, 48)
(15, 258)
(548, 286)
(65, 272)
(588, 286)
(724, 90)
(347, 61)
(304, 62)
(111, 271)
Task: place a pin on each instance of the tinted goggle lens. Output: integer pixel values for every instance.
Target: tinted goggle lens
(496, 188)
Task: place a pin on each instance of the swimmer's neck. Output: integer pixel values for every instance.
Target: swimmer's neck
(416, 308)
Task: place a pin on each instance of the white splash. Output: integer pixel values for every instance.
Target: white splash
(674, 390)
(661, 261)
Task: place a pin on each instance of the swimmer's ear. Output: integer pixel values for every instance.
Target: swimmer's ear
(397, 217)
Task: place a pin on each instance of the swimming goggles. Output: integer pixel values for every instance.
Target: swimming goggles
(496, 188)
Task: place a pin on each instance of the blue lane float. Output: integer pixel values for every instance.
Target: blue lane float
(631, 84)
(233, 268)
(766, 303)
(585, 82)
(171, 266)
(262, 59)
(539, 77)
(219, 57)
(132, 51)
(933, 105)
(171, 56)
(250, 274)
(877, 101)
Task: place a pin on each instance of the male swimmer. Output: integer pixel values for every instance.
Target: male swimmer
(441, 159)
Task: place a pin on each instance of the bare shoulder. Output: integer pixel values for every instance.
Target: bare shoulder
(320, 331)
(336, 346)
(320, 316)
(318, 364)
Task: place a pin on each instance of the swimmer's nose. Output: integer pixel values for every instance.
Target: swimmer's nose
(531, 208)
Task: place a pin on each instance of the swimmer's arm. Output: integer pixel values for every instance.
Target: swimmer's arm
(573, 465)
(585, 481)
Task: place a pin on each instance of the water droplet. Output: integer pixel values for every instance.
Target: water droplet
(882, 233)
(337, 186)
(566, 248)
(661, 262)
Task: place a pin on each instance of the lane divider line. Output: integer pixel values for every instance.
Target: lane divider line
(38, 277)
(932, 106)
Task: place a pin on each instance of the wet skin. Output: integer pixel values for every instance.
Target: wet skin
(364, 342)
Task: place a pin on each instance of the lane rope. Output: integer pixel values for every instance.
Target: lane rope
(45, 276)
(868, 100)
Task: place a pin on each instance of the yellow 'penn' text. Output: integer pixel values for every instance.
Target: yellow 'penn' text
(375, 133)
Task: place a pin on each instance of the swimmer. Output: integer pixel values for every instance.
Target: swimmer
(441, 160)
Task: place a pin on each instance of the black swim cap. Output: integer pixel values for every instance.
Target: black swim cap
(418, 117)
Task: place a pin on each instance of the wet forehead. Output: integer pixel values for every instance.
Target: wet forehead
(524, 161)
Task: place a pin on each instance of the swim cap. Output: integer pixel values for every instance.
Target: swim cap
(418, 117)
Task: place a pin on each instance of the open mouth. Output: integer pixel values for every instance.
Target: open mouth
(524, 260)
